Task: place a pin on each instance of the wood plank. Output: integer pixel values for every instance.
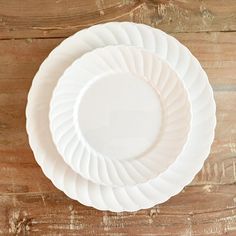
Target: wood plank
(17, 172)
(60, 18)
(27, 55)
(220, 167)
(215, 51)
(196, 211)
(189, 16)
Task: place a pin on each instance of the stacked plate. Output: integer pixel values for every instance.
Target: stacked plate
(120, 116)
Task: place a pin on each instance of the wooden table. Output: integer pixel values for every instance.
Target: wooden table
(29, 203)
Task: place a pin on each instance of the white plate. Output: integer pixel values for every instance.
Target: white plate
(119, 116)
(179, 174)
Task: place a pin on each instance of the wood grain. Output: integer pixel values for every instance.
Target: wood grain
(18, 166)
(54, 213)
(60, 18)
(29, 203)
(189, 16)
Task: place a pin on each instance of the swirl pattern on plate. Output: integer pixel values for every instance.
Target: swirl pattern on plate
(179, 174)
(87, 161)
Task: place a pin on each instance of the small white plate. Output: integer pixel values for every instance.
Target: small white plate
(178, 174)
(119, 116)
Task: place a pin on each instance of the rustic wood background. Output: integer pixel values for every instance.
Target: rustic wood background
(29, 203)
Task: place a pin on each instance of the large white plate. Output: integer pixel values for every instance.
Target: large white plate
(119, 115)
(178, 174)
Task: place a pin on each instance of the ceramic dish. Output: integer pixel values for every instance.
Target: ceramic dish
(119, 116)
(178, 174)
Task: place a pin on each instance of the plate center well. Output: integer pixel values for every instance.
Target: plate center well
(119, 115)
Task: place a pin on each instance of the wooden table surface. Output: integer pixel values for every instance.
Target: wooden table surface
(29, 203)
